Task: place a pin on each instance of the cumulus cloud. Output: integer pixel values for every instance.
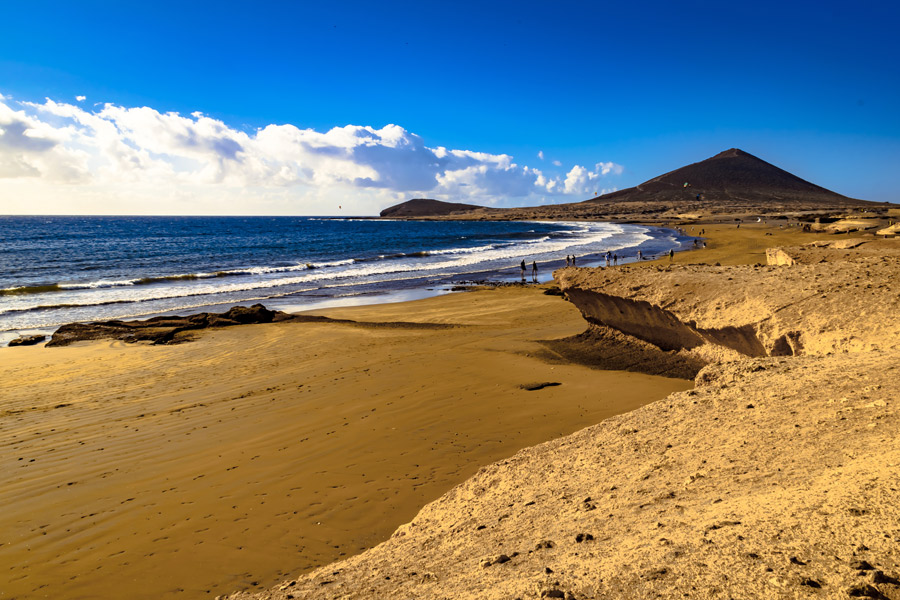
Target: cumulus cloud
(117, 159)
(81, 98)
(582, 181)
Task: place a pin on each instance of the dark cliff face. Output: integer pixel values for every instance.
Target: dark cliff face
(423, 207)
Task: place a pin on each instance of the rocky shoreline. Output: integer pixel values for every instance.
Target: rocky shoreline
(164, 330)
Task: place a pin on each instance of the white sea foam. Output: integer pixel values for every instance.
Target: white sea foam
(451, 261)
(262, 282)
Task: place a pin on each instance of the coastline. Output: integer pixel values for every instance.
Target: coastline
(113, 403)
(774, 477)
(150, 467)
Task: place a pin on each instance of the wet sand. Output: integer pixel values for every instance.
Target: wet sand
(256, 453)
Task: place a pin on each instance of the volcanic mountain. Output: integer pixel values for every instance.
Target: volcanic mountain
(733, 182)
(730, 176)
(423, 207)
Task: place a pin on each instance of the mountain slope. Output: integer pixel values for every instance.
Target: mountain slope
(730, 175)
(423, 207)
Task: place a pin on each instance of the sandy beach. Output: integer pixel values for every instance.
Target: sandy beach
(256, 454)
(774, 477)
(260, 452)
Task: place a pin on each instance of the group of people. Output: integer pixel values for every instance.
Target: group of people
(534, 271)
(612, 259)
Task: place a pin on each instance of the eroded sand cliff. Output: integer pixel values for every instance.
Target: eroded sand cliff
(777, 476)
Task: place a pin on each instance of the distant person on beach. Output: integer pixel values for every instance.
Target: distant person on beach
(568, 261)
(615, 259)
(671, 254)
(640, 255)
(523, 270)
(573, 260)
(534, 271)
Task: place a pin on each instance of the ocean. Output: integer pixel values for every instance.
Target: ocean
(57, 270)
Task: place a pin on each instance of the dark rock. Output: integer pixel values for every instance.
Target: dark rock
(544, 544)
(796, 561)
(583, 537)
(553, 594)
(494, 560)
(861, 565)
(810, 582)
(163, 330)
(27, 340)
(250, 314)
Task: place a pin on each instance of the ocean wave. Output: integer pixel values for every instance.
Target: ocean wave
(449, 264)
(106, 283)
(272, 270)
(275, 281)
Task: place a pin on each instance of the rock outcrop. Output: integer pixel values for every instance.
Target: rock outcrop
(163, 330)
(28, 340)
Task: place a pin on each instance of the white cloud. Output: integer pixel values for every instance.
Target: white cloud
(581, 181)
(541, 154)
(81, 98)
(605, 168)
(557, 163)
(59, 157)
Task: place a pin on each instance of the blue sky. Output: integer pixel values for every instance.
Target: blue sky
(623, 93)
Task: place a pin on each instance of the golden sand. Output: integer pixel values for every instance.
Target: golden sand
(259, 452)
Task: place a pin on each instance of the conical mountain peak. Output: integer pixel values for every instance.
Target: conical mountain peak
(729, 176)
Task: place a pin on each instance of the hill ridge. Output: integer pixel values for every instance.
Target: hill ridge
(426, 207)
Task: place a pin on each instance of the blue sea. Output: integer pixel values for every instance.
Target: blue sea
(56, 270)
